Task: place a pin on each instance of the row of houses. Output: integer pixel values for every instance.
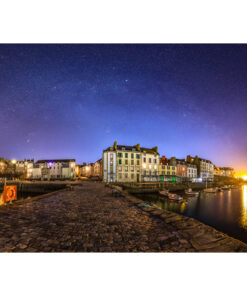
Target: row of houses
(138, 164)
(91, 170)
(119, 163)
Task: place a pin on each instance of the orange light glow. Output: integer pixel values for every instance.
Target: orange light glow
(241, 175)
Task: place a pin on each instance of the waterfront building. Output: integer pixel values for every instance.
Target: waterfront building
(181, 169)
(3, 165)
(227, 172)
(78, 170)
(24, 168)
(191, 172)
(97, 169)
(123, 163)
(205, 168)
(217, 171)
(167, 172)
(54, 169)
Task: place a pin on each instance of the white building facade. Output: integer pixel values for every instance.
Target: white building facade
(54, 169)
(191, 172)
(130, 164)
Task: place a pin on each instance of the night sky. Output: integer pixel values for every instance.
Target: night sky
(72, 101)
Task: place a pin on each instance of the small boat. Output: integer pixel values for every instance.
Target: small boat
(174, 196)
(226, 187)
(164, 192)
(191, 193)
(210, 190)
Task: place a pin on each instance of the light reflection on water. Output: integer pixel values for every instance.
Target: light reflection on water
(226, 211)
(244, 208)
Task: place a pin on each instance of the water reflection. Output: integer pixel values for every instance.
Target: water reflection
(226, 211)
(244, 207)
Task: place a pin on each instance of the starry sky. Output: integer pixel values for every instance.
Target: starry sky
(74, 100)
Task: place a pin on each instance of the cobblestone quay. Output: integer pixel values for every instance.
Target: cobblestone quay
(90, 219)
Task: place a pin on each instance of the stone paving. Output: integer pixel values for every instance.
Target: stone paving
(90, 219)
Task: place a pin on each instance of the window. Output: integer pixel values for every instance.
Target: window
(132, 155)
(126, 155)
(120, 154)
(144, 159)
(132, 162)
(132, 176)
(120, 175)
(126, 161)
(126, 176)
(155, 160)
(173, 168)
(126, 169)
(132, 169)
(138, 170)
(150, 160)
(163, 172)
(137, 156)
(120, 169)
(120, 161)
(163, 166)
(138, 162)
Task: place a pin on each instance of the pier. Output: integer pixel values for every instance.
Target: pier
(89, 218)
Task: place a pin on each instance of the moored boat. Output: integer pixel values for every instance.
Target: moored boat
(210, 190)
(191, 193)
(164, 192)
(174, 196)
(226, 187)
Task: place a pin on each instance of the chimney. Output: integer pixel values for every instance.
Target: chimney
(155, 149)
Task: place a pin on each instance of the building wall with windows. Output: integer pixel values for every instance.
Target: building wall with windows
(25, 167)
(167, 170)
(54, 169)
(205, 168)
(97, 169)
(191, 172)
(130, 164)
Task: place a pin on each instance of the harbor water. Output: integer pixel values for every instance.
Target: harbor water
(226, 211)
